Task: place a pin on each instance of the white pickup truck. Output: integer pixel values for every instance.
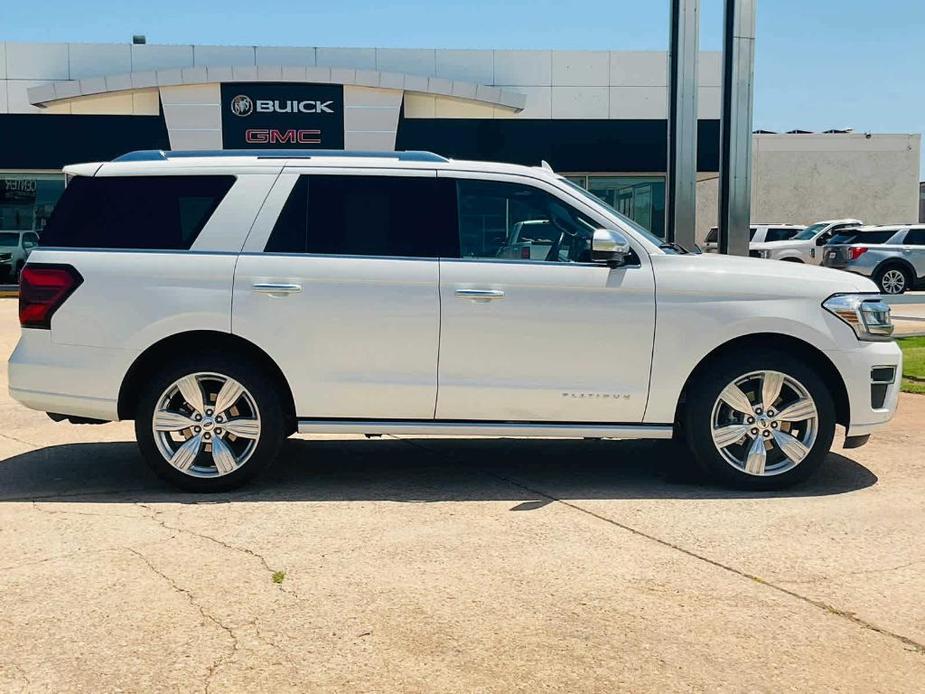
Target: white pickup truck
(805, 247)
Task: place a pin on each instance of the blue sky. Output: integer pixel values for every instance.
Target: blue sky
(820, 63)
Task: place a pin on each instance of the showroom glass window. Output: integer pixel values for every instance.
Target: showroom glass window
(510, 221)
(390, 216)
(27, 200)
(641, 198)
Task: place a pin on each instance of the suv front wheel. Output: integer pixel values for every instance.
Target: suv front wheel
(759, 421)
(209, 423)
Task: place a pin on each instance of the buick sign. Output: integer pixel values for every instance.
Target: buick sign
(286, 115)
(242, 105)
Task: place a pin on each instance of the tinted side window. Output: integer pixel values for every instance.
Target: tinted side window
(368, 215)
(915, 237)
(143, 212)
(780, 234)
(514, 221)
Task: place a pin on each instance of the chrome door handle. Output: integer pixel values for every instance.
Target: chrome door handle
(480, 294)
(276, 288)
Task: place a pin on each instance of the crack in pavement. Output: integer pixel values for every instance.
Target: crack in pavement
(204, 614)
(281, 587)
(860, 572)
(22, 441)
(155, 516)
(850, 616)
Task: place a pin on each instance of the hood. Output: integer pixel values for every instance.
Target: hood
(778, 245)
(755, 278)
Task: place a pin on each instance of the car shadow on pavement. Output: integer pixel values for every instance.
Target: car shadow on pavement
(410, 470)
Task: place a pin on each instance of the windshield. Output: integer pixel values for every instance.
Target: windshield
(635, 226)
(8, 239)
(809, 232)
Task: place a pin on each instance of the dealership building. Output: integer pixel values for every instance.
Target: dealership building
(598, 117)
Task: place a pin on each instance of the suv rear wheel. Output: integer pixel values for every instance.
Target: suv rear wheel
(209, 423)
(759, 421)
(893, 279)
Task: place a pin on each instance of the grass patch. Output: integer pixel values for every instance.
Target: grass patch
(913, 364)
(279, 577)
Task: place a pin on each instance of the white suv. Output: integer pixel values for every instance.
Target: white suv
(757, 233)
(226, 301)
(805, 247)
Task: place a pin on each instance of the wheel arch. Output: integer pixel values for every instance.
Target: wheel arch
(785, 343)
(162, 351)
(892, 262)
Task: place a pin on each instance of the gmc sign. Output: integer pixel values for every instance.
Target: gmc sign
(272, 136)
(269, 115)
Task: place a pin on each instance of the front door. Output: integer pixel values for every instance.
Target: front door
(340, 290)
(531, 329)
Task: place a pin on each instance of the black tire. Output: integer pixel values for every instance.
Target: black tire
(881, 275)
(792, 260)
(273, 423)
(704, 392)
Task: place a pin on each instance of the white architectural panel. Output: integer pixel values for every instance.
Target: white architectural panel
(709, 102)
(580, 68)
(523, 68)
(639, 69)
(370, 117)
(224, 55)
(467, 65)
(364, 58)
(37, 61)
(285, 55)
(581, 102)
(639, 102)
(93, 59)
(538, 105)
(193, 115)
(2, 60)
(419, 61)
(152, 57)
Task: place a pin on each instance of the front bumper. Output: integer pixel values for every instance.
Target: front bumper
(871, 404)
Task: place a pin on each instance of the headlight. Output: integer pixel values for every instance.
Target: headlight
(867, 315)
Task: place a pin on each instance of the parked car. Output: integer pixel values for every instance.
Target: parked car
(805, 246)
(15, 247)
(758, 233)
(892, 256)
(225, 301)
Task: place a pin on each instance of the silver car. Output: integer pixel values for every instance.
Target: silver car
(15, 247)
(893, 256)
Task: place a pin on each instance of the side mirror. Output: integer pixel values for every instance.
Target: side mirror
(610, 247)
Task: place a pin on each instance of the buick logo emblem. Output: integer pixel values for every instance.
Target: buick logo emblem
(242, 105)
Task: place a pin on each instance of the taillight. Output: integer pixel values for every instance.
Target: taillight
(857, 251)
(42, 290)
(525, 252)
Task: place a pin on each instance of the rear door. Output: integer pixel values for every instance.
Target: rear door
(547, 336)
(339, 285)
(914, 250)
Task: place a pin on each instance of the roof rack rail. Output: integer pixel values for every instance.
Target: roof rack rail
(164, 155)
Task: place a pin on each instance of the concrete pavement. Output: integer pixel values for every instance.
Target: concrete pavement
(432, 565)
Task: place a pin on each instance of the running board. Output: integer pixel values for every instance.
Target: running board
(445, 428)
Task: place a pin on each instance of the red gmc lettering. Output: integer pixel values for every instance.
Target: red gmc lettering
(262, 136)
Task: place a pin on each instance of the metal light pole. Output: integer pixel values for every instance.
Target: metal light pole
(681, 194)
(735, 165)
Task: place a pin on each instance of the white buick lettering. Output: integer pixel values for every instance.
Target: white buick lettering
(293, 106)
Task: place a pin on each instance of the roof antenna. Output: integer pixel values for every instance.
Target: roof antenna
(545, 165)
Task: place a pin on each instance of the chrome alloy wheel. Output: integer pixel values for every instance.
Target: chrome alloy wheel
(206, 425)
(893, 282)
(764, 423)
